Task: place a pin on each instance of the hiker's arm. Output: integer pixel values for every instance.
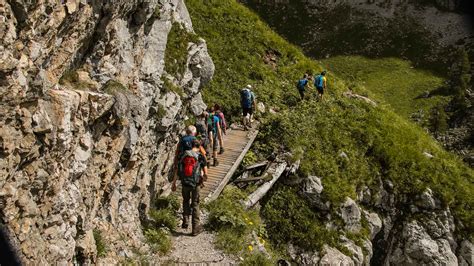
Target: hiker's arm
(219, 132)
(173, 184)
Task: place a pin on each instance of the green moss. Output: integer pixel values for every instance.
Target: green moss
(177, 49)
(168, 86)
(112, 87)
(99, 243)
(71, 78)
(233, 224)
(159, 240)
(289, 219)
(257, 258)
(163, 215)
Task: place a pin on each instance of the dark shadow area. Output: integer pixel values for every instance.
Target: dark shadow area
(7, 252)
(440, 91)
(343, 30)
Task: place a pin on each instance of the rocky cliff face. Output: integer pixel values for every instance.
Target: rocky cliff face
(89, 119)
(396, 230)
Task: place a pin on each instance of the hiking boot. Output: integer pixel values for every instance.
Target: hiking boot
(185, 223)
(216, 163)
(221, 151)
(197, 229)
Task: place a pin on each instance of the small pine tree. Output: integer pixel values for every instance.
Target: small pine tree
(460, 81)
(438, 120)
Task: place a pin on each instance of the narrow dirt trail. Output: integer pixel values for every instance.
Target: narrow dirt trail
(195, 250)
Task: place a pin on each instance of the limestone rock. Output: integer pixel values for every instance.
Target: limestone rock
(375, 223)
(416, 247)
(261, 107)
(357, 256)
(90, 154)
(312, 189)
(351, 214)
(333, 257)
(466, 253)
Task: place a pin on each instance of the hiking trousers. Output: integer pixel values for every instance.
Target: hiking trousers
(191, 203)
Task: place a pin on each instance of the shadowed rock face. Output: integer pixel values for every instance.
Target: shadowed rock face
(89, 153)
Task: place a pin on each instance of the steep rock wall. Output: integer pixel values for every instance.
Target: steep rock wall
(90, 152)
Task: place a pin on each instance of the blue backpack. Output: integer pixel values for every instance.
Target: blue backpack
(246, 98)
(212, 123)
(301, 84)
(319, 81)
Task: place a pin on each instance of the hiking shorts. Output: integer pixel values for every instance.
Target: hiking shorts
(320, 90)
(215, 142)
(246, 111)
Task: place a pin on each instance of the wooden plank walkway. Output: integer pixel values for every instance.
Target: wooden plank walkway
(236, 143)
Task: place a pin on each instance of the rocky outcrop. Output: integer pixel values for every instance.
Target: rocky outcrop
(87, 126)
(416, 247)
(389, 229)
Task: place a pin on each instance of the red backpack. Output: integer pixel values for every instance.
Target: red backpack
(189, 169)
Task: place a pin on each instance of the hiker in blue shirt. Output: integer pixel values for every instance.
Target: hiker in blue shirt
(214, 133)
(301, 85)
(320, 84)
(248, 103)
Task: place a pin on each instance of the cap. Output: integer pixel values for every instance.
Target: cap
(249, 86)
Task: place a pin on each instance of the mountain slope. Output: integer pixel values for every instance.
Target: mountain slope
(357, 150)
(395, 82)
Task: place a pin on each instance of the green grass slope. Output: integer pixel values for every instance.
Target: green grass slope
(390, 81)
(379, 143)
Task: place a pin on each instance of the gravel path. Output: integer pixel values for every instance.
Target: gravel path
(195, 250)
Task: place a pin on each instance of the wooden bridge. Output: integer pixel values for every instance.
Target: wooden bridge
(236, 143)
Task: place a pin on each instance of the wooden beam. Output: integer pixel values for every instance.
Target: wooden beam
(212, 196)
(257, 165)
(276, 169)
(251, 179)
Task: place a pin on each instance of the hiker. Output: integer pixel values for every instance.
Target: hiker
(202, 134)
(301, 85)
(223, 125)
(248, 103)
(185, 143)
(192, 173)
(320, 84)
(214, 133)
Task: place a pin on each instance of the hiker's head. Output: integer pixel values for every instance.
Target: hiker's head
(204, 114)
(211, 110)
(217, 107)
(191, 130)
(196, 145)
(305, 76)
(249, 86)
(323, 73)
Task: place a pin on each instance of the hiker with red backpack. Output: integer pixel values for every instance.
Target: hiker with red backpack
(222, 124)
(214, 133)
(248, 104)
(192, 171)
